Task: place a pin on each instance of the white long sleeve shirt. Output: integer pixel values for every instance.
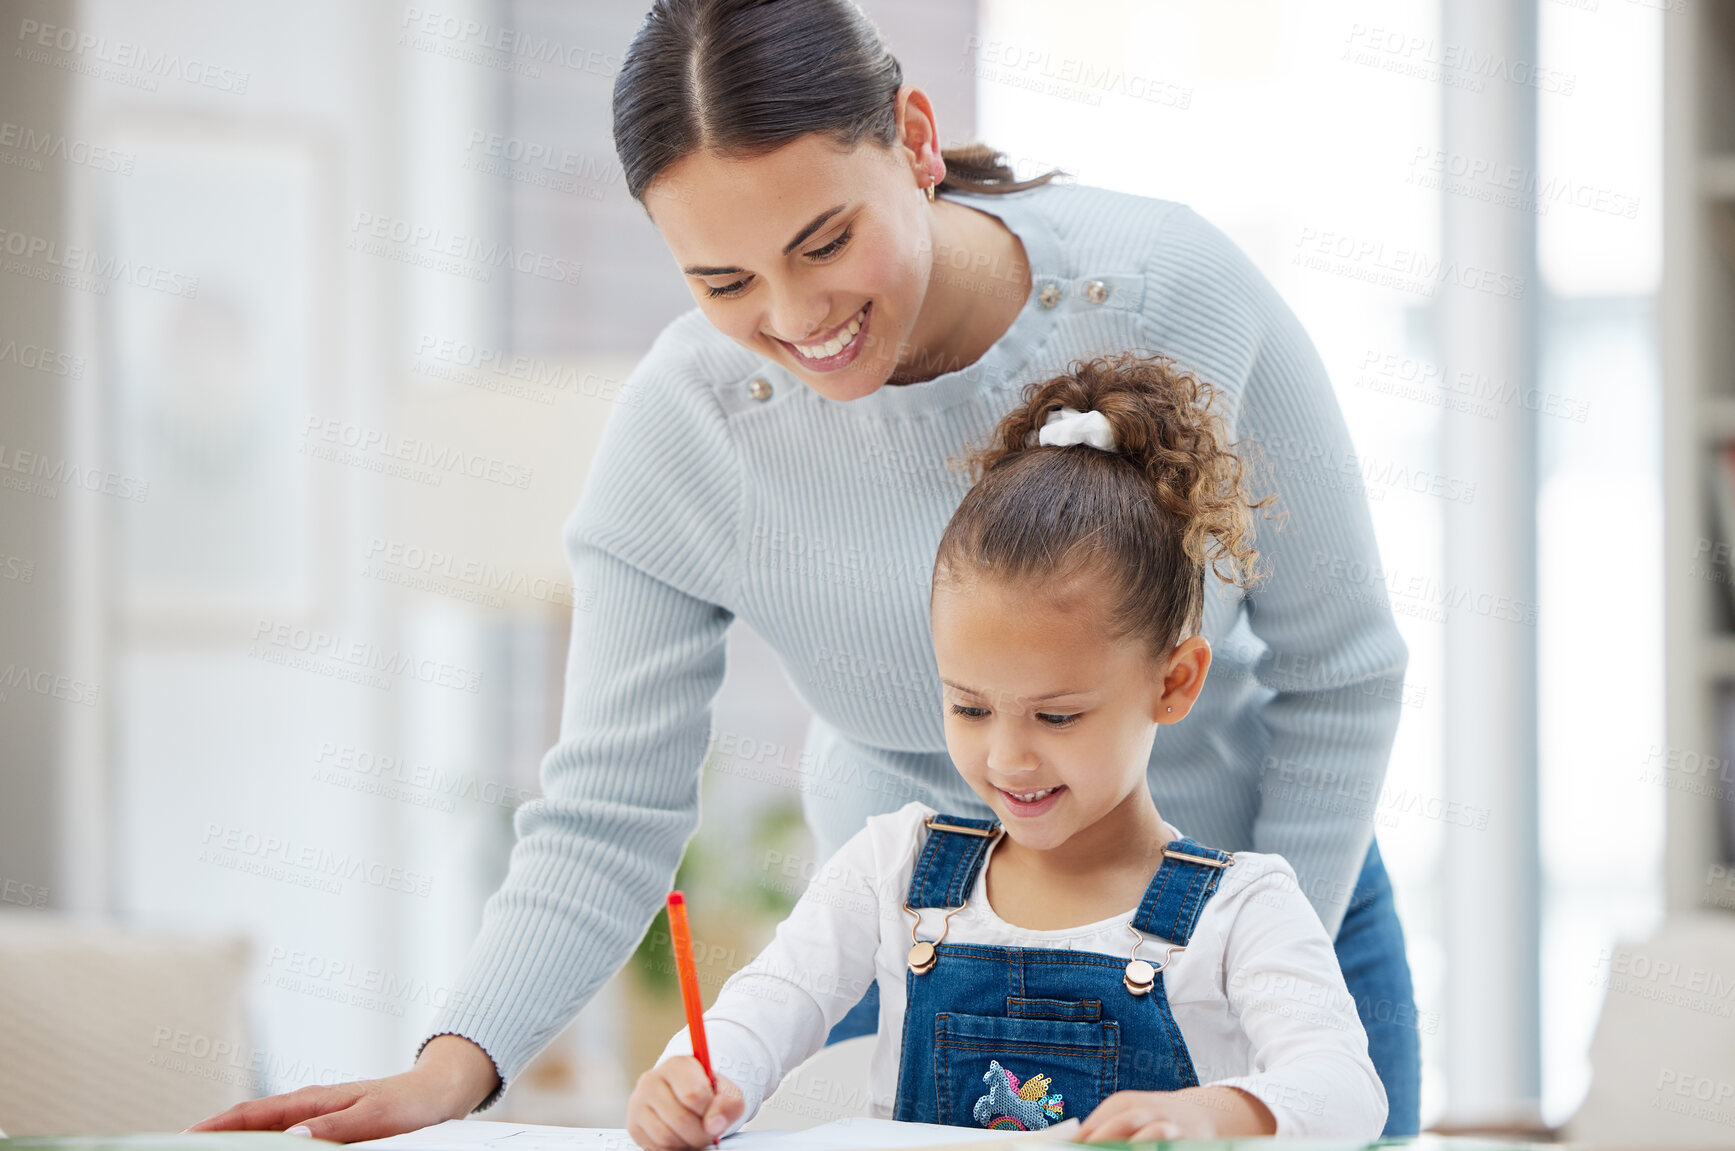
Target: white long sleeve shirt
(1257, 994)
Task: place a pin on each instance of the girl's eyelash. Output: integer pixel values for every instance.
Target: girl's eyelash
(1052, 719)
(828, 252)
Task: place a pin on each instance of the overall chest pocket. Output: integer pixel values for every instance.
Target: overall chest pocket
(1021, 1073)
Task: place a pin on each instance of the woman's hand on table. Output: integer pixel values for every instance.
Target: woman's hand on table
(450, 1078)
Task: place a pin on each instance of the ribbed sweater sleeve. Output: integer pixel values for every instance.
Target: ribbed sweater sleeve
(651, 544)
(1334, 656)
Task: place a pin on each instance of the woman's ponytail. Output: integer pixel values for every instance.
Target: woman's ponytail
(981, 169)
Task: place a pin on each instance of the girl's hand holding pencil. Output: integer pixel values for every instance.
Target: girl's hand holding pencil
(674, 1108)
(681, 1102)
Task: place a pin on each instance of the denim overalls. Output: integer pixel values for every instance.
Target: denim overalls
(1022, 1037)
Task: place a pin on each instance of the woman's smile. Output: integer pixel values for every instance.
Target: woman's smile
(836, 348)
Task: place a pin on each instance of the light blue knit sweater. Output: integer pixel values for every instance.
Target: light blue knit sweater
(816, 521)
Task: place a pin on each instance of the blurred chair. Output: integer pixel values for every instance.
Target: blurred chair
(1663, 1058)
(105, 1031)
(832, 1084)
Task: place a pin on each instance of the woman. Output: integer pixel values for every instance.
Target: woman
(787, 464)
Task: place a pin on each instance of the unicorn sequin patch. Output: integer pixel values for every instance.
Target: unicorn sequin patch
(1014, 1106)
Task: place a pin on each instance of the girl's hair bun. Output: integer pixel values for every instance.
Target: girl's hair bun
(1167, 503)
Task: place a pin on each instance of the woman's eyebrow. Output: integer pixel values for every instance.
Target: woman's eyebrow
(696, 270)
(815, 225)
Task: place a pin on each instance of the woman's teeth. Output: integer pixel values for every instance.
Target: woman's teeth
(837, 343)
(1033, 796)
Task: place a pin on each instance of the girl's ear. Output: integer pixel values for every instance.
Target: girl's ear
(1183, 678)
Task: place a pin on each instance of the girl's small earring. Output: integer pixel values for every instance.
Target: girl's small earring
(1168, 709)
(930, 192)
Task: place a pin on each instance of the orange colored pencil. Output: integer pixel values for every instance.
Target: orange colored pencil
(682, 938)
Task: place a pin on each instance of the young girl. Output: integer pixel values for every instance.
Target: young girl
(1077, 955)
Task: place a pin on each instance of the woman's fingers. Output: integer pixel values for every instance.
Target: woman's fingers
(343, 1112)
(370, 1117)
(281, 1112)
(449, 1079)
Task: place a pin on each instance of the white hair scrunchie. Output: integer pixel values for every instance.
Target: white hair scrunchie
(1067, 426)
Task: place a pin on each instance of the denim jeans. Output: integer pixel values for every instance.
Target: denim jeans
(1370, 949)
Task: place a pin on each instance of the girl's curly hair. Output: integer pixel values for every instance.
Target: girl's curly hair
(1153, 515)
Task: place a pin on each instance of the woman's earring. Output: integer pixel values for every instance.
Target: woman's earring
(1168, 709)
(930, 191)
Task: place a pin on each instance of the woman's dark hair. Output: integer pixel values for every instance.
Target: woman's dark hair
(1149, 517)
(745, 77)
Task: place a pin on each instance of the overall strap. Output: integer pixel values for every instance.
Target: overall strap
(946, 870)
(1178, 892)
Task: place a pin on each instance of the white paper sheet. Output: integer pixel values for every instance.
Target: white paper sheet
(484, 1135)
(862, 1134)
(853, 1134)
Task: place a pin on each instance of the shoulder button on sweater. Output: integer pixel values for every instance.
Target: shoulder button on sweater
(1096, 291)
(759, 389)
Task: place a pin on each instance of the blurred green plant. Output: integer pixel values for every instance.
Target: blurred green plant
(717, 876)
